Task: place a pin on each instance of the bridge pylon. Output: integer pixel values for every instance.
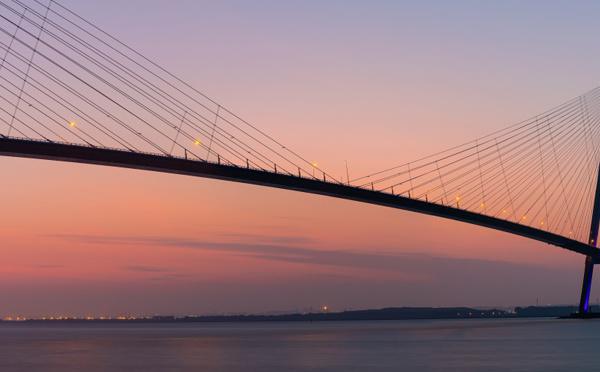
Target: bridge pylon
(586, 288)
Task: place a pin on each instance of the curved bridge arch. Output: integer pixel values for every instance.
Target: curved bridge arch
(23, 148)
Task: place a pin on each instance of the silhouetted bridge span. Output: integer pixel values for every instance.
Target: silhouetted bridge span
(70, 91)
(157, 163)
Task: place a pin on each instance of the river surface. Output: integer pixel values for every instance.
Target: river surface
(424, 345)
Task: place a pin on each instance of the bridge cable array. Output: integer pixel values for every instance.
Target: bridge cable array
(66, 80)
(540, 172)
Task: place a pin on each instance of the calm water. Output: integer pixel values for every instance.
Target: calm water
(441, 345)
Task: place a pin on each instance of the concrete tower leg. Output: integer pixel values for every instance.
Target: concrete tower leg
(586, 288)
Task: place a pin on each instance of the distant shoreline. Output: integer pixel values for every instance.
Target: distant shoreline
(396, 313)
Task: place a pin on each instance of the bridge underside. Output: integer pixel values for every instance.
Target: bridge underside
(125, 159)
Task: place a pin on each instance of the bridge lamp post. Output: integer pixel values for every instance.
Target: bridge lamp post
(314, 166)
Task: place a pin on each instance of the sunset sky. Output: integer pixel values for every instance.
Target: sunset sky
(374, 83)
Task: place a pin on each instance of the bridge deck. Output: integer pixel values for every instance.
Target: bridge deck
(120, 158)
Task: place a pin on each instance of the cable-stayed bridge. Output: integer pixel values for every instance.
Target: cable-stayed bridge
(70, 91)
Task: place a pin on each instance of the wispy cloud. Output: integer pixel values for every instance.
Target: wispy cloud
(300, 250)
(156, 273)
(169, 276)
(145, 269)
(288, 240)
(373, 275)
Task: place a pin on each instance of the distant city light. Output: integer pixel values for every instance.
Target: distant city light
(72, 124)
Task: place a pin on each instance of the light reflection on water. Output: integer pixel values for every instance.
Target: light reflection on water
(437, 345)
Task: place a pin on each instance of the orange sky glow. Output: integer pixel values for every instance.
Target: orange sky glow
(83, 239)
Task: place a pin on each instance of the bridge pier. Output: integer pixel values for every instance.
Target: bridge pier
(586, 287)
